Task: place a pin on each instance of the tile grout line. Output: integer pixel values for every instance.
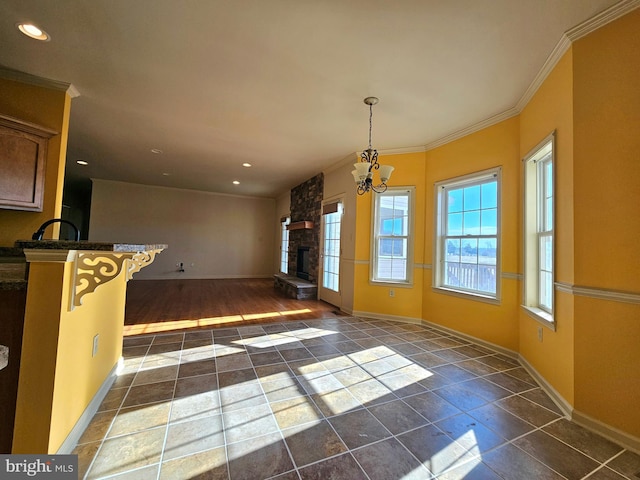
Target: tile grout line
(373, 328)
(173, 395)
(286, 446)
(106, 433)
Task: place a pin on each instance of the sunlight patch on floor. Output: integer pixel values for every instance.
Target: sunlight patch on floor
(158, 327)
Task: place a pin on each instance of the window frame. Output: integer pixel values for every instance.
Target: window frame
(375, 235)
(535, 223)
(439, 252)
(284, 253)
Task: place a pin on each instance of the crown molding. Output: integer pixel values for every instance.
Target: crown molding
(588, 26)
(601, 19)
(29, 79)
(550, 63)
(400, 151)
(512, 112)
(349, 159)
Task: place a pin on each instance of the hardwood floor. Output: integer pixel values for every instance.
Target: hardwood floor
(168, 305)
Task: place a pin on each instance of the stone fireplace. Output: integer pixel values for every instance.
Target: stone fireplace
(304, 243)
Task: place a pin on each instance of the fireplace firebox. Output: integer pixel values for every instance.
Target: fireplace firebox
(302, 265)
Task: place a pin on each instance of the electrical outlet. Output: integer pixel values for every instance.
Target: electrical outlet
(392, 292)
(95, 345)
(539, 334)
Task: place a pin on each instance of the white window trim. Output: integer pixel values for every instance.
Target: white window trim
(283, 229)
(408, 283)
(531, 234)
(438, 255)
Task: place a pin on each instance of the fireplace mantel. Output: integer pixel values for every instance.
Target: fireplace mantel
(302, 225)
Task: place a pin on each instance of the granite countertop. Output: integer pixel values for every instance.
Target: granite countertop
(4, 356)
(86, 245)
(13, 269)
(13, 265)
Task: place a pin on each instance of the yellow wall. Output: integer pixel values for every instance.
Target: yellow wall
(407, 302)
(496, 146)
(551, 108)
(607, 221)
(591, 100)
(48, 108)
(59, 379)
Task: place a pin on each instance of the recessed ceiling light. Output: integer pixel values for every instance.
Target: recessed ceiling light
(34, 32)
(246, 164)
(165, 174)
(157, 151)
(82, 162)
(236, 182)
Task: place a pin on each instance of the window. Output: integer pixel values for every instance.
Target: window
(284, 245)
(332, 222)
(392, 236)
(467, 244)
(538, 230)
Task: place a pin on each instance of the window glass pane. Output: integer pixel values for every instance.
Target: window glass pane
(489, 222)
(468, 276)
(487, 278)
(546, 289)
(454, 224)
(452, 273)
(472, 198)
(469, 252)
(454, 203)
(548, 174)
(399, 226)
(546, 253)
(386, 226)
(487, 251)
(398, 247)
(453, 250)
(548, 214)
(471, 223)
(489, 195)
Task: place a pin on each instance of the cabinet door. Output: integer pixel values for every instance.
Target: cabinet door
(23, 156)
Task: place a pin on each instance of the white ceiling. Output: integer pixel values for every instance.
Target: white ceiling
(276, 83)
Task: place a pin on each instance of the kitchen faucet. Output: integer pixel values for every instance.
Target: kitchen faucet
(38, 235)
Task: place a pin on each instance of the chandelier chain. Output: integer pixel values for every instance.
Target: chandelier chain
(370, 123)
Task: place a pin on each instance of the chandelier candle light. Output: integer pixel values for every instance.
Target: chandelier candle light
(363, 174)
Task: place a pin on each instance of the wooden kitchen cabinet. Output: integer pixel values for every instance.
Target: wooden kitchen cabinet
(23, 157)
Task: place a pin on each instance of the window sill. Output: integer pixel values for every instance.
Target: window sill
(387, 283)
(541, 316)
(468, 295)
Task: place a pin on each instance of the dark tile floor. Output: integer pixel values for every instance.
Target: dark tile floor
(338, 398)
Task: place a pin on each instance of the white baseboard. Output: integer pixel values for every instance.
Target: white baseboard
(479, 341)
(83, 422)
(564, 406)
(382, 316)
(623, 439)
(607, 431)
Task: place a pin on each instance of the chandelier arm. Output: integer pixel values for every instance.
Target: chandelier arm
(370, 156)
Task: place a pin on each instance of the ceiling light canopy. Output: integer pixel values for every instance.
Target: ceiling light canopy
(363, 174)
(31, 31)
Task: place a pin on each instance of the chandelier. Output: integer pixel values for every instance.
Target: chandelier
(363, 174)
